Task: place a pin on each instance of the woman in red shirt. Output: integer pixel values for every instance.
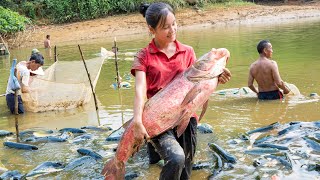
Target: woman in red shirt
(154, 67)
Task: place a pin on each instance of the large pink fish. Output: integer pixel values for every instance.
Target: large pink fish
(172, 106)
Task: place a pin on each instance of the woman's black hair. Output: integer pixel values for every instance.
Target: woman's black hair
(155, 13)
(261, 45)
(38, 58)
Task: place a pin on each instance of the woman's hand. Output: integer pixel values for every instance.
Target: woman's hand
(225, 76)
(140, 132)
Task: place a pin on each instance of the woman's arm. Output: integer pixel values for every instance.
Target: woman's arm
(139, 101)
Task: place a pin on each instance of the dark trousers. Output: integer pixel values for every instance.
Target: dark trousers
(11, 103)
(177, 153)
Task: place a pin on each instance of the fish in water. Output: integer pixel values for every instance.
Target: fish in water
(88, 152)
(223, 153)
(313, 167)
(46, 168)
(317, 136)
(116, 134)
(259, 162)
(94, 128)
(34, 132)
(84, 161)
(72, 130)
(290, 128)
(5, 133)
(46, 139)
(268, 145)
(287, 163)
(20, 146)
(132, 175)
(218, 166)
(265, 128)
(260, 151)
(172, 106)
(201, 165)
(204, 128)
(312, 143)
(263, 139)
(16, 175)
(82, 138)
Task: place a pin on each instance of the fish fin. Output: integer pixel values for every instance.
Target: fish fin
(126, 124)
(184, 121)
(204, 109)
(191, 95)
(113, 170)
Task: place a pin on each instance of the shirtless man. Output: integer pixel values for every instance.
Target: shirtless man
(265, 71)
(46, 42)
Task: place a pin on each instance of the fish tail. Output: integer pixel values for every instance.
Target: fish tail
(113, 170)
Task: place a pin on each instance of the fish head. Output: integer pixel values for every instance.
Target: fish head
(213, 62)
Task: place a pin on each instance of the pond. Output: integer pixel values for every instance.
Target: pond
(296, 50)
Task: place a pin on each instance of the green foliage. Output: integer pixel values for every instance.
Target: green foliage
(176, 3)
(29, 10)
(10, 4)
(122, 6)
(61, 11)
(11, 22)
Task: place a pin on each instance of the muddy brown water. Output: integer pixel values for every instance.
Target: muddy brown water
(296, 50)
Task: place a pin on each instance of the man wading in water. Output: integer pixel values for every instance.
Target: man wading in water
(265, 71)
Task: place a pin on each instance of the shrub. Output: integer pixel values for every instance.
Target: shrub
(11, 22)
(61, 11)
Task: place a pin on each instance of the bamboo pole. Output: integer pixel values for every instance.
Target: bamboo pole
(55, 60)
(16, 111)
(93, 93)
(55, 53)
(115, 49)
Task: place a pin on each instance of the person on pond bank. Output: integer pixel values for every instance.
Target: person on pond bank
(23, 70)
(47, 43)
(154, 67)
(265, 71)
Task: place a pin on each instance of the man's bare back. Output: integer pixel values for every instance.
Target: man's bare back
(46, 42)
(265, 71)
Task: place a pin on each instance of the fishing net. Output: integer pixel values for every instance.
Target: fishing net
(64, 85)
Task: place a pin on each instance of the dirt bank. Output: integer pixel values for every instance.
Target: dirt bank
(187, 18)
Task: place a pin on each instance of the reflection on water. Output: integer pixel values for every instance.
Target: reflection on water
(296, 50)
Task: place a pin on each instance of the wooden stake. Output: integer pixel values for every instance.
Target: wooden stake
(55, 54)
(16, 110)
(115, 49)
(94, 94)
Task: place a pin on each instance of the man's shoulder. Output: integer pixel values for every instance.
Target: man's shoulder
(254, 63)
(273, 61)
